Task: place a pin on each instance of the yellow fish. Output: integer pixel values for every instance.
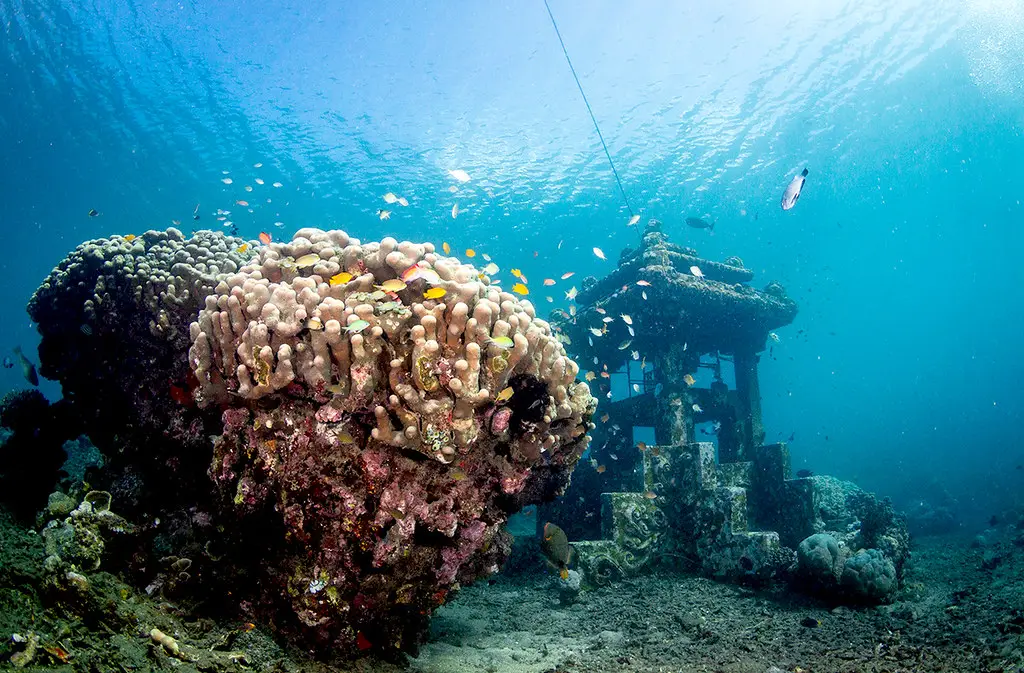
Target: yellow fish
(470, 252)
(393, 285)
(689, 380)
(340, 278)
(519, 288)
(504, 395)
(314, 324)
(241, 248)
(571, 294)
(502, 342)
(435, 293)
(517, 273)
(447, 248)
(307, 260)
(129, 237)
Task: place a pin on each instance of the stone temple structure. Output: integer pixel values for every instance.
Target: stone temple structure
(733, 510)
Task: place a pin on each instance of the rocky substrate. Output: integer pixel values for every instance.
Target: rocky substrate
(961, 610)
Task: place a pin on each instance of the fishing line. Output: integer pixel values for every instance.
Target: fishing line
(590, 110)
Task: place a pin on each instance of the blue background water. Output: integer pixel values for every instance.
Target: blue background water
(904, 252)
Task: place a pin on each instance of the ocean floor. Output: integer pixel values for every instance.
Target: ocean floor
(962, 610)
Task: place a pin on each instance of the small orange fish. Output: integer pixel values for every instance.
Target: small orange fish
(242, 248)
(244, 204)
(265, 238)
(447, 248)
(549, 281)
(643, 283)
(655, 451)
(641, 445)
(568, 275)
(601, 469)
(129, 237)
(470, 252)
(604, 418)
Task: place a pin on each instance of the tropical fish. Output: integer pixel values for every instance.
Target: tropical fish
(307, 260)
(28, 370)
(383, 214)
(600, 469)
(698, 223)
(624, 345)
(240, 249)
(549, 281)
(259, 181)
(435, 293)
(633, 220)
(392, 285)
(447, 248)
(590, 376)
(519, 288)
(696, 409)
(556, 548)
(278, 184)
(390, 198)
(504, 395)
(642, 446)
(792, 193)
(226, 181)
(265, 238)
(340, 278)
(470, 252)
(402, 201)
(502, 342)
(635, 355)
(315, 324)
(596, 331)
(455, 211)
(93, 212)
(643, 283)
(356, 326)
(626, 319)
(695, 270)
(568, 274)
(242, 203)
(689, 380)
(459, 174)
(129, 237)
(491, 269)
(599, 253)
(571, 294)
(774, 337)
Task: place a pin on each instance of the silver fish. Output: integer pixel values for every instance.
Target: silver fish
(792, 192)
(698, 223)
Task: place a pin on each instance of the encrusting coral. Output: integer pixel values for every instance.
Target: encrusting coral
(394, 407)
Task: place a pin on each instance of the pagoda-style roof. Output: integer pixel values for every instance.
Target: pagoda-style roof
(716, 312)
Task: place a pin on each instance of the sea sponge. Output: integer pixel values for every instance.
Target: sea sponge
(869, 577)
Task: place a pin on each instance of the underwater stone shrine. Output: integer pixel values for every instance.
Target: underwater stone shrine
(734, 511)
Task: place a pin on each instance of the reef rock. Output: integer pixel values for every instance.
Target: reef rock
(382, 431)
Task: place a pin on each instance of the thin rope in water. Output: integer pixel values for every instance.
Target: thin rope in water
(589, 109)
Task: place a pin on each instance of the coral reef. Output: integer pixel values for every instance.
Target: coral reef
(32, 455)
(386, 408)
(113, 318)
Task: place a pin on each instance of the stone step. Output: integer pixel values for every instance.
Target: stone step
(733, 502)
(742, 554)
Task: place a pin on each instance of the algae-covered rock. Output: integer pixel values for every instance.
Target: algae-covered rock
(870, 577)
(820, 560)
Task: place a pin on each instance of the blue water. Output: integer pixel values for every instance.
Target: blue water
(904, 252)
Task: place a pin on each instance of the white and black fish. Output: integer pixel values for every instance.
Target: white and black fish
(792, 192)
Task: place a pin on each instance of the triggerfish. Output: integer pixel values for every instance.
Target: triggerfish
(557, 550)
(792, 192)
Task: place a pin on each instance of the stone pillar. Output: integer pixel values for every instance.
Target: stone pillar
(676, 422)
(748, 399)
